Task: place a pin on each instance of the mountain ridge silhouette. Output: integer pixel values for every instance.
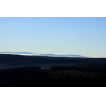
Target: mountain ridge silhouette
(54, 55)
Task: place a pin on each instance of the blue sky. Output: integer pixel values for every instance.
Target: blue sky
(56, 35)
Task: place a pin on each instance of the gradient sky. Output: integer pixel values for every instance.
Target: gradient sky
(56, 35)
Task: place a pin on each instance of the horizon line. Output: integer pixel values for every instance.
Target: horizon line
(36, 54)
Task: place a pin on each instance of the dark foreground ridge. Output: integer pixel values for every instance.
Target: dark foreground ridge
(80, 81)
(86, 72)
(59, 76)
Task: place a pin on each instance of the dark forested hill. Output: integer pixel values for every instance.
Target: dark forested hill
(9, 61)
(17, 70)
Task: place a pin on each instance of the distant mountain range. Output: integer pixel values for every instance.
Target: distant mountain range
(17, 52)
(35, 54)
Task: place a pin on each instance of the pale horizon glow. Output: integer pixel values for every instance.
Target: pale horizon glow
(84, 36)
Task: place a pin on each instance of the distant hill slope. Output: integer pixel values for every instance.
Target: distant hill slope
(17, 52)
(8, 61)
(52, 55)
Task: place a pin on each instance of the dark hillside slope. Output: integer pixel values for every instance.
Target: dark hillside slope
(9, 61)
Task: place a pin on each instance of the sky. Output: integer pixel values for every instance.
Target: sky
(84, 36)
